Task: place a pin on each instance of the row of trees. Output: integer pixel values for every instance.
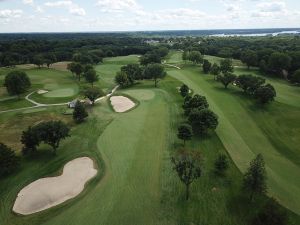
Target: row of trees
(131, 73)
(193, 56)
(252, 85)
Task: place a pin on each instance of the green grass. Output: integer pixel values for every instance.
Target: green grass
(136, 183)
(240, 130)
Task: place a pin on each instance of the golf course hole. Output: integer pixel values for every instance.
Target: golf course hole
(51, 191)
(121, 103)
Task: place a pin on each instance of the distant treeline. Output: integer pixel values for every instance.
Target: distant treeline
(273, 55)
(23, 48)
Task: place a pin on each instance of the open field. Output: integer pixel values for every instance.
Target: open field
(135, 183)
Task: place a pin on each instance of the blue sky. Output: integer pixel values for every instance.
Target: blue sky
(124, 15)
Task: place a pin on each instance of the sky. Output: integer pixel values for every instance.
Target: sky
(141, 15)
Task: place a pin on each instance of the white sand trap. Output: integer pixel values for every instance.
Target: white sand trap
(40, 92)
(51, 191)
(121, 103)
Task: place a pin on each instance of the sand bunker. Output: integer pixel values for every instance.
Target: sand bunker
(51, 191)
(121, 103)
(40, 92)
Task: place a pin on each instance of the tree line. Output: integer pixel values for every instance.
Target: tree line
(50, 48)
(276, 56)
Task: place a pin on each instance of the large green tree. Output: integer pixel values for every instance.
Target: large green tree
(185, 132)
(91, 76)
(215, 70)
(226, 79)
(187, 164)
(79, 113)
(17, 82)
(226, 66)
(155, 72)
(195, 102)
(249, 83)
(184, 90)
(255, 177)
(122, 79)
(52, 132)
(93, 93)
(265, 94)
(30, 140)
(206, 66)
(195, 57)
(249, 57)
(203, 120)
(279, 62)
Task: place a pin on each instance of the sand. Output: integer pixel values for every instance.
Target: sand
(121, 103)
(40, 92)
(51, 191)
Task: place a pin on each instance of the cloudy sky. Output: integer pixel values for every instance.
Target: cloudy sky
(131, 15)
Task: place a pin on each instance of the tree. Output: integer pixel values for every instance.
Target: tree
(263, 67)
(265, 94)
(206, 66)
(271, 214)
(185, 132)
(203, 120)
(52, 132)
(71, 67)
(184, 90)
(221, 164)
(93, 93)
(79, 113)
(226, 66)
(195, 102)
(226, 79)
(122, 79)
(279, 62)
(185, 56)
(255, 177)
(215, 70)
(91, 76)
(78, 69)
(155, 72)
(30, 140)
(150, 58)
(17, 82)
(9, 162)
(50, 58)
(296, 77)
(195, 57)
(187, 164)
(249, 57)
(249, 83)
(133, 71)
(38, 60)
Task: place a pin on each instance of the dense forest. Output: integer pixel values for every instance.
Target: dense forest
(279, 56)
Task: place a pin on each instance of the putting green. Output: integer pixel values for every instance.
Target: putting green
(60, 93)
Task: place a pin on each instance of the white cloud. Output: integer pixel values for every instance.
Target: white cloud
(58, 3)
(118, 5)
(8, 13)
(72, 7)
(28, 2)
(271, 6)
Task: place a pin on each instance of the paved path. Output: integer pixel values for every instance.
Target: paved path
(37, 105)
(177, 67)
